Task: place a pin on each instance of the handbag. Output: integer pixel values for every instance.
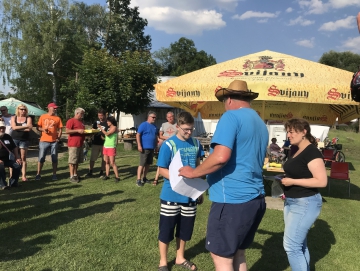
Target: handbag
(11, 155)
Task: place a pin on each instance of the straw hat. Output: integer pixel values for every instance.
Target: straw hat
(236, 88)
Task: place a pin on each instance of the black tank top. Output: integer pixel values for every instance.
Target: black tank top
(20, 134)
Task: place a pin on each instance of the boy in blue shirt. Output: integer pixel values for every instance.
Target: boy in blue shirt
(177, 211)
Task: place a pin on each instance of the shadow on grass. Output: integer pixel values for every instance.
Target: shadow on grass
(25, 191)
(320, 239)
(12, 243)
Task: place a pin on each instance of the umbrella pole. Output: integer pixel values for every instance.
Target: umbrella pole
(263, 110)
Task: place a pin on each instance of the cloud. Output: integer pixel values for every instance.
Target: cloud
(344, 3)
(186, 16)
(352, 44)
(188, 4)
(254, 14)
(301, 21)
(320, 7)
(314, 6)
(348, 23)
(174, 21)
(306, 43)
(288, 10)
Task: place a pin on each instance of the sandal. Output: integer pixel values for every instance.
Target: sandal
(163, 268)
(187, 265)
(155, 182)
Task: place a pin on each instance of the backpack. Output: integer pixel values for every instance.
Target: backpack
(355, 86)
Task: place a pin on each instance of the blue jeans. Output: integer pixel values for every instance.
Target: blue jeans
(44, 146)
(299, 215)
(13, 181)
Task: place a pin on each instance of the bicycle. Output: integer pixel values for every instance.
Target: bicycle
(337, 154)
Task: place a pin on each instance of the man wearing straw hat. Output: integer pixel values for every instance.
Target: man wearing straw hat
(234, 170)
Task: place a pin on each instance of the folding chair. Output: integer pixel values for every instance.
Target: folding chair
(339, 171)
(328, 155)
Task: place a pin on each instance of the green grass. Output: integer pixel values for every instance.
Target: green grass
(100, 225)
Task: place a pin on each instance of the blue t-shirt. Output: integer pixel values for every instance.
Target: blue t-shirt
(147, 133)
(240, 180)
(189, 154)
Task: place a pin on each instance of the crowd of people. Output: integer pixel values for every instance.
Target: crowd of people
(233, 171)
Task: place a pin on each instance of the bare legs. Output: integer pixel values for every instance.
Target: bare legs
(110, 161)
(180, 250)
(73, 169)
(141, 170)
(236, 263)
(23, 154)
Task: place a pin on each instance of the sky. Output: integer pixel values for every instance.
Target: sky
(228, 29)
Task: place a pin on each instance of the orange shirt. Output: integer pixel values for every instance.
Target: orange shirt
(53, 123)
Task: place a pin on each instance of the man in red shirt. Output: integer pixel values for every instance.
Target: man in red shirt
(75, 129)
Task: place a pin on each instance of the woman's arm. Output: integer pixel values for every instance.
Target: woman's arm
(29, 124)
(319, 179)
(14, 127)
(111, 131)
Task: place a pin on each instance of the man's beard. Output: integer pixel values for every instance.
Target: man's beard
(2, 135)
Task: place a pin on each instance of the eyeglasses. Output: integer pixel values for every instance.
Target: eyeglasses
(22, 108)
(153, 117)
(187, 131)
(3, 110)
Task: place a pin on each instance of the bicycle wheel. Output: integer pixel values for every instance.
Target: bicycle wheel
(339, 156)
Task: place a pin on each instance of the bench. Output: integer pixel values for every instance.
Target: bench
(128, 143)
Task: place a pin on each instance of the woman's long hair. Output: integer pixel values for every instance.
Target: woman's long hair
(17, 111)
(300, 125)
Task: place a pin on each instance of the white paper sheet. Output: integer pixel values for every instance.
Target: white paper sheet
(191, 188)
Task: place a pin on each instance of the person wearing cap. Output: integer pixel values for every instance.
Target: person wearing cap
(50, 127)
(75, 129)
(234, 170)
(7, 149)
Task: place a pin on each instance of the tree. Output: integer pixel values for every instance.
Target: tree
(343, 60)
(125, 30)
(115, 83)
(39, 37)
(182, 57)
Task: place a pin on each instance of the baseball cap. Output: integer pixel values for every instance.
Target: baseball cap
(2, 123)
(52, 105)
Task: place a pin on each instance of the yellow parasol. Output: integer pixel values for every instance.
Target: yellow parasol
(288, 87)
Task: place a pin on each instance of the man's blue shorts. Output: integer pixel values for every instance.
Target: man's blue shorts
(232, 226)
(179, 215)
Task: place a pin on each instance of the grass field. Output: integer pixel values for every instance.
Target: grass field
(100, 225)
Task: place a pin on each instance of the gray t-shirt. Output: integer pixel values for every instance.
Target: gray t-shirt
(168, 129)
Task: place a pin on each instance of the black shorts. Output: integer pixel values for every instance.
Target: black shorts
(179, 215)
(232, 226)
(146, 157)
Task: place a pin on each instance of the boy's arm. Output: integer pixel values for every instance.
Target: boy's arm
(164, 172)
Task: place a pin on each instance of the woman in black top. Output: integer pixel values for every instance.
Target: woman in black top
(304, 173)
(21, 125)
